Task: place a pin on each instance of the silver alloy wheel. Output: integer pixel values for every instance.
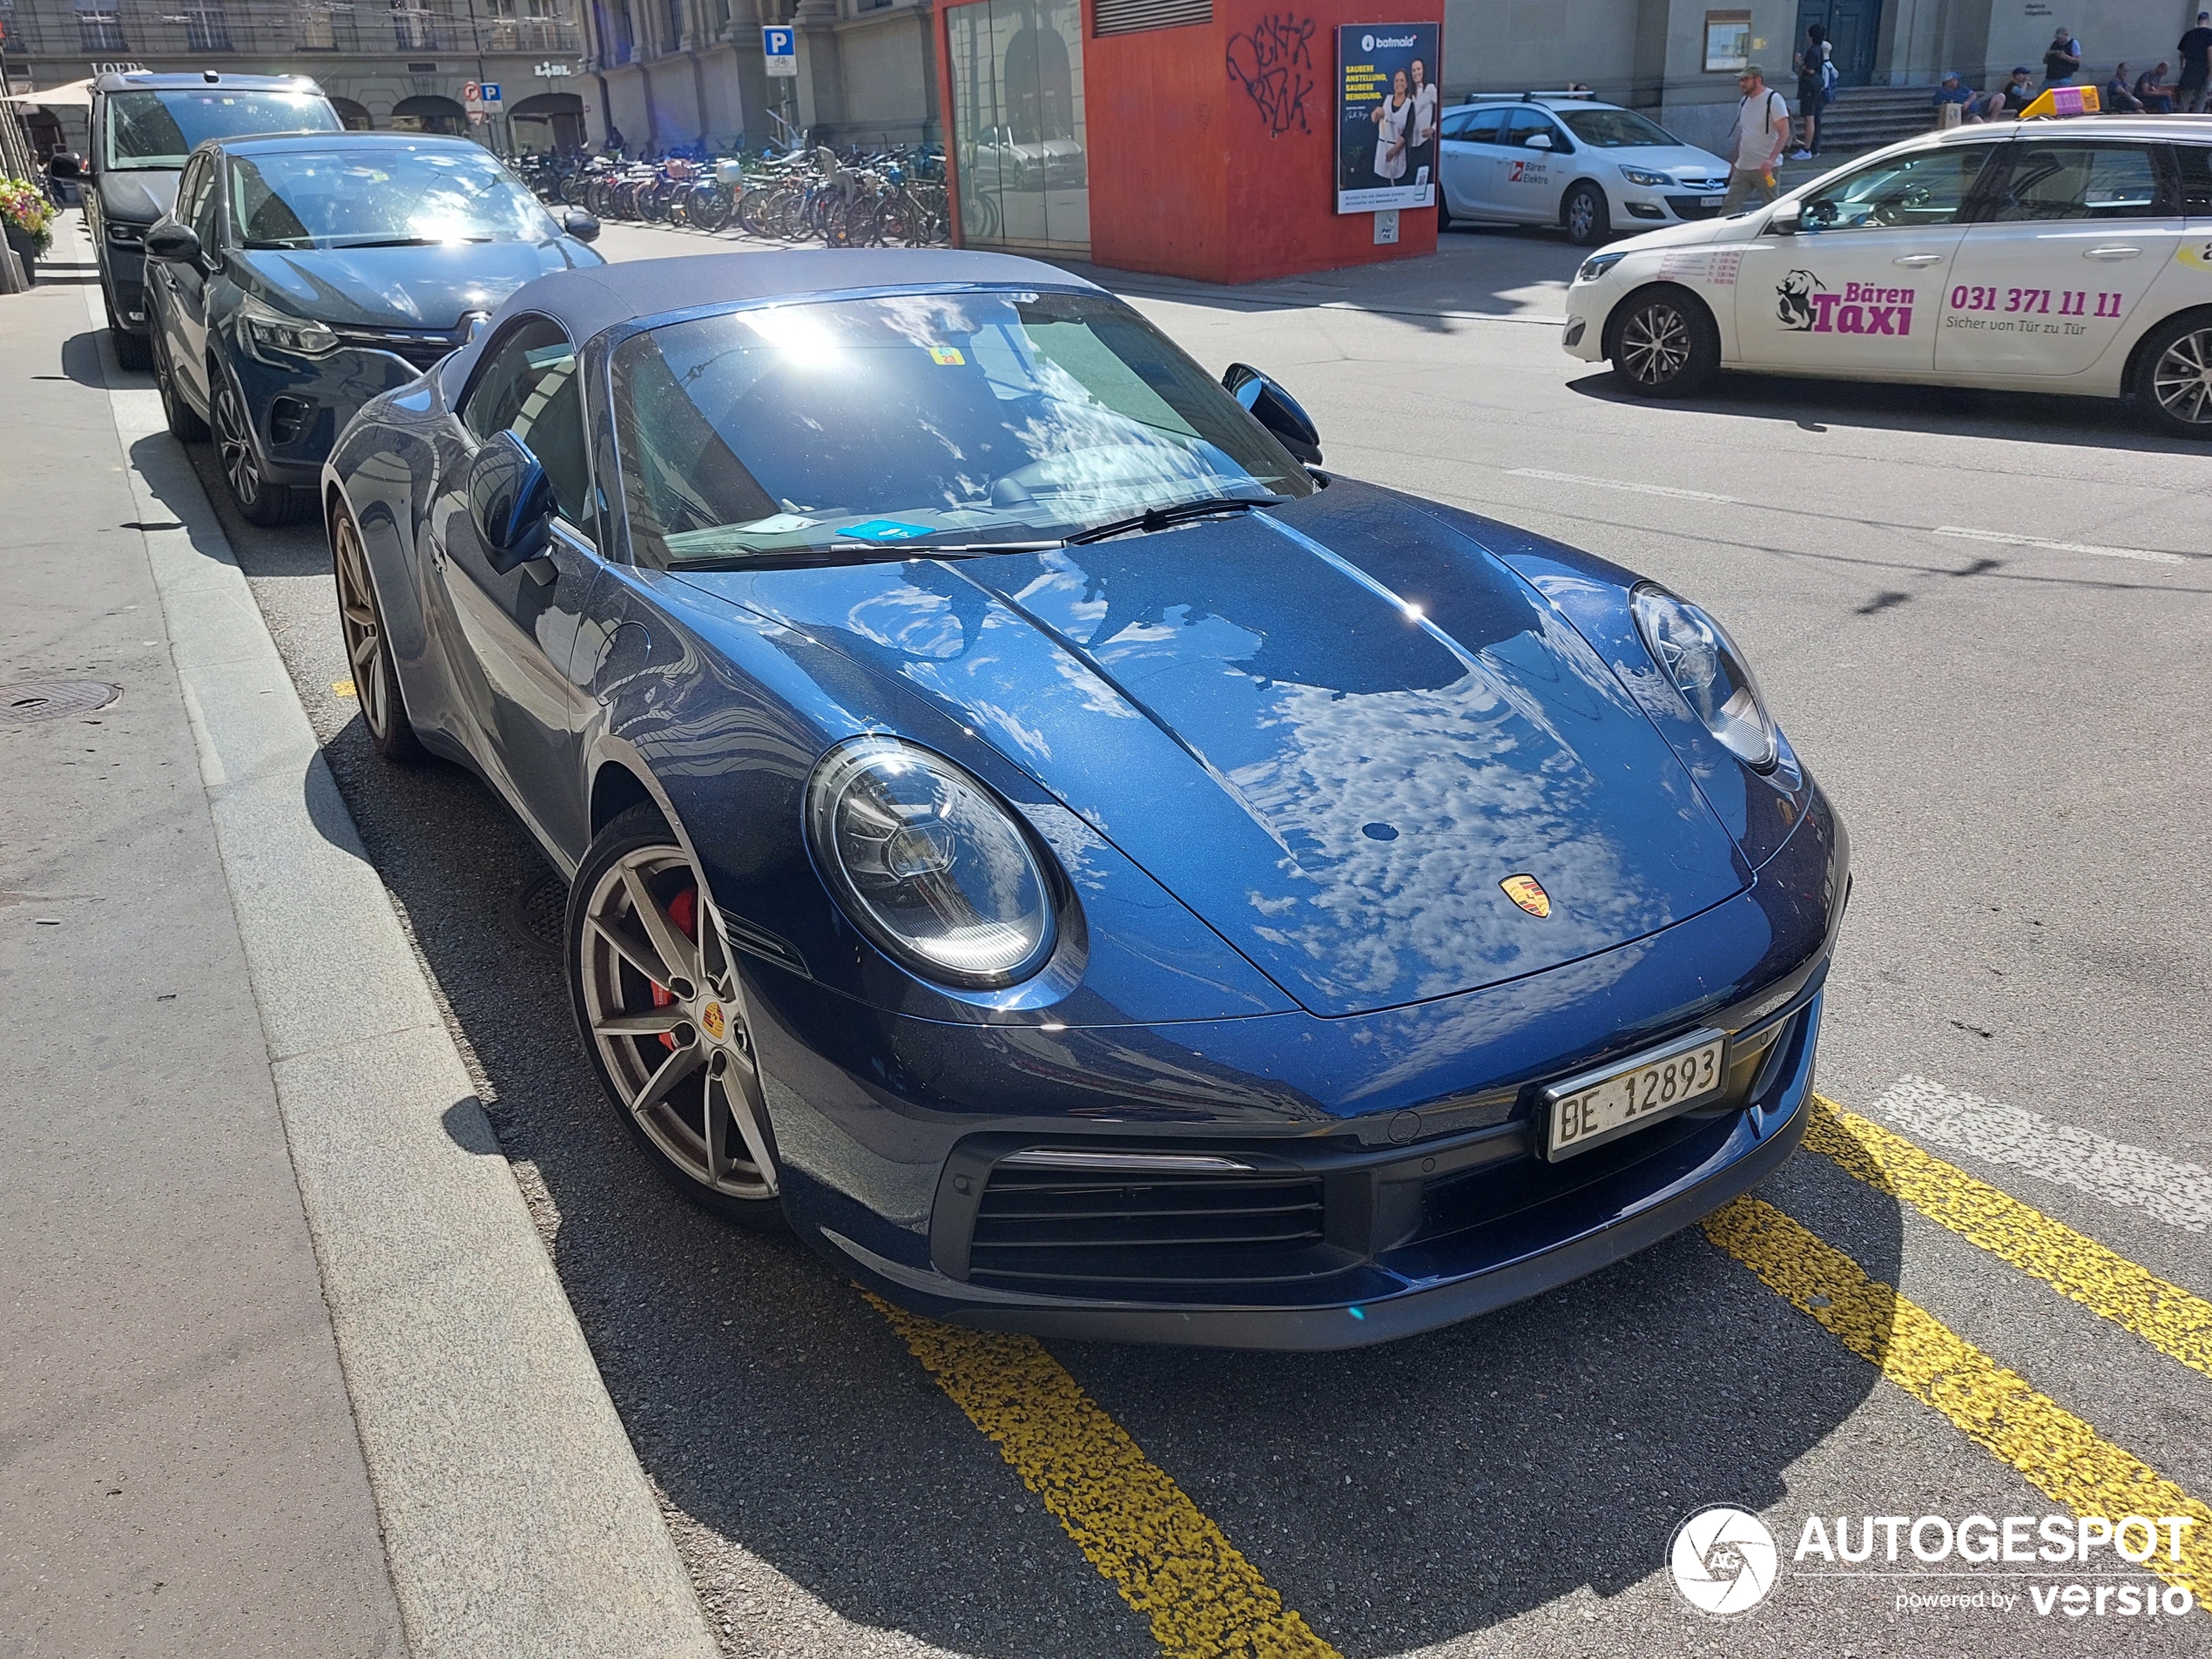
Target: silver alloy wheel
(1581, 215)
(1656, 343)
(364, 639)
(684, 1068)
(2182, 378)
(235, 443)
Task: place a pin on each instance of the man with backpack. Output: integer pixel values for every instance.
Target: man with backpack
(1762, 134)
(1816, 87)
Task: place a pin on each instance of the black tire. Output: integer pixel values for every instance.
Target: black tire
(1588, 219)
(185, 424)
(679, 1129)
(258, 500)
(1664, 344)
(133, 352)
(1443, 212)
(368, 646)
(2172, 378)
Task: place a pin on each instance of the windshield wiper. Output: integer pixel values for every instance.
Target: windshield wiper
(410, 241)
(1159, 518)
(860, 553)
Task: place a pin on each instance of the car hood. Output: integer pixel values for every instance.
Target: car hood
(139, 196)
(403, 287)
(1332, 730)
(1675, 159)
(1692, 234)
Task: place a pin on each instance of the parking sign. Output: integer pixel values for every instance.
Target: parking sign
(490, 90)
(779, 45)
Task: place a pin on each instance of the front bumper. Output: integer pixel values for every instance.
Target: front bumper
(300, 406)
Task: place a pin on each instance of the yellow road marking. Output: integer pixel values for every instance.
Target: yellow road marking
(2172, 1320)
(1166, 1557)
(341, 688)
(2061, 1455)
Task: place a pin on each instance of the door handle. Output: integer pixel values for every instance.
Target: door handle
(1916, 260)
(2110, 253)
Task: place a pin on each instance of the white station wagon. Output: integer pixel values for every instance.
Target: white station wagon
(2042, 256)
(1563, 159)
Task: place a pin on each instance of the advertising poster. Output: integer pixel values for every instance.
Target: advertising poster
(1387, 102)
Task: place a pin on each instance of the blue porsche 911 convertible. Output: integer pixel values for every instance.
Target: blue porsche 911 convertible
(1084, 867)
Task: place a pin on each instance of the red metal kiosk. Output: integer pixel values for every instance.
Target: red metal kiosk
(1190, 138)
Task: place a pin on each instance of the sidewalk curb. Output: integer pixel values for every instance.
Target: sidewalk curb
(517, 1519)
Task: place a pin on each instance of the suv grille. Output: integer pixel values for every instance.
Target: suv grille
(1074, 1225)
(419, 348)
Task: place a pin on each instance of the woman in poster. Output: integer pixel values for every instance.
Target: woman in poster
(1393, 120)
(1420, 149)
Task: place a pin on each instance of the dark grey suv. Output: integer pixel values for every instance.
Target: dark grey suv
(143, 125)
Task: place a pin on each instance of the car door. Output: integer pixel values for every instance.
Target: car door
(184, 285)
(1469, 141)
(2073, 235)
(1858, 289)
(517, 629)
(1532, 168)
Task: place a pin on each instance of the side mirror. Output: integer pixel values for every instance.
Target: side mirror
(510, 502)
(1537, 141)
(1276, 409)
(65, 166)
(173, 244)
(1784, 221)
(580, 224)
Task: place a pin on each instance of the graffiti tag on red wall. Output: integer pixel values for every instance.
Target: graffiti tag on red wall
(1274, 63)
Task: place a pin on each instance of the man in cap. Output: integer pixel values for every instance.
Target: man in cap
(1762, 134)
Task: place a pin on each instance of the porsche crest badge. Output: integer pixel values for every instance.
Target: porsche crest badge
(1528, 893)
(712, 1019)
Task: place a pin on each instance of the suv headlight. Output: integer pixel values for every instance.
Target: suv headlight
(1597, 265)
(268, 330)
(1649, 180)
(929, 865)
(1696, 653)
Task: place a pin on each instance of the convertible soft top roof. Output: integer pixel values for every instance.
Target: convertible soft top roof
(588, 301)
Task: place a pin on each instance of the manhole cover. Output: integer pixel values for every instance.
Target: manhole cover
(538, 912)
(54, 700)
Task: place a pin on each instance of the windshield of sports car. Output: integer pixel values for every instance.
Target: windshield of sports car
(389, 196)
(944, 419)
(154, 132)
(1616, 129)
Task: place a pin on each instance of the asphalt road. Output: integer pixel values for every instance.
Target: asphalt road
(2015, 734)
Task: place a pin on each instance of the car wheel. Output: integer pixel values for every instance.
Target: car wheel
(2174, 378)
(658, 1004)
(262, 502)
(1586, 216)
(185, 424)
(1443, 212)
(1666, 345)
(369, 647)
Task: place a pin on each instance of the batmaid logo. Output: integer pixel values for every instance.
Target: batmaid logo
(1368, 43)
(1807, 305)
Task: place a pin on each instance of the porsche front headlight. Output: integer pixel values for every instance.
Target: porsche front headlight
(1696, 653)
(927, 863)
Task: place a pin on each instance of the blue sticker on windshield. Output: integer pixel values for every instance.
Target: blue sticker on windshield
(885, 529)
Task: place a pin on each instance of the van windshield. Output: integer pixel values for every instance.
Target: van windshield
(154, 132)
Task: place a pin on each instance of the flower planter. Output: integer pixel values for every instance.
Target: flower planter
(26, 249)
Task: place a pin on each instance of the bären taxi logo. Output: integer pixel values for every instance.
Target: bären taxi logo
(1528, 893)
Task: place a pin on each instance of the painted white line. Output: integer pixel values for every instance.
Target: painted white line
(2141, 555)
(516, 1521)
(1620, 483)
(2130, 1178)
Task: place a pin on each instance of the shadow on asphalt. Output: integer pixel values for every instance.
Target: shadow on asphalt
(81, 360)
(1815, 405)
(1398, 1496)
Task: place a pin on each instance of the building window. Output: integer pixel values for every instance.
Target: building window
(99, 27)
(675, 24)
(412, 30)
(318, 32)
(206, 30)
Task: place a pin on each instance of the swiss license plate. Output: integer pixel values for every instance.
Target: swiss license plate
(1712, 201)
(1602, 1106)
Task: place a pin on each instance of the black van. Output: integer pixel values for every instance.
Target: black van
(143, 125)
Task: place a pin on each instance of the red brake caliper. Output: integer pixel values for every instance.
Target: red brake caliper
(684, 911)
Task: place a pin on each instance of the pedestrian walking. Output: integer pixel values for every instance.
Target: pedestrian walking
(2062, 59)
(1762, 134)
(1816, 80)
(2197, 65)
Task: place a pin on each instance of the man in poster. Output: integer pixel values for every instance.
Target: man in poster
(1387, 116)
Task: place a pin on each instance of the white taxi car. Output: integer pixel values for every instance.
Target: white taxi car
(2045, 256)
(1564, 158)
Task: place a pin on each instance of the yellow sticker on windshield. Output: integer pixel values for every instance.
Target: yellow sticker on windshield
(946, 356)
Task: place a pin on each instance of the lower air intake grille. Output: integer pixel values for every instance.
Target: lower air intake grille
(1039, 1226)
